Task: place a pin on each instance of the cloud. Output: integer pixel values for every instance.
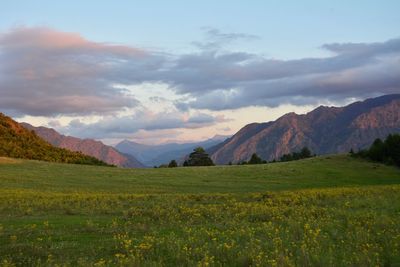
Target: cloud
(155, 137)
(219, 81)
(47, 72)
(141, 120)
(215, 39)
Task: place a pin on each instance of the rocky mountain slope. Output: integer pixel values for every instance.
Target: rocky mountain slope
(324, 130)
(87, 146)
(19, 142)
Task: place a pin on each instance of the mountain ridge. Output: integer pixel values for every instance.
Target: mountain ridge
(324, 130)
(18, 142)
(89, 147)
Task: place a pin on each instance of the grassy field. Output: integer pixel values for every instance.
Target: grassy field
(324, 211)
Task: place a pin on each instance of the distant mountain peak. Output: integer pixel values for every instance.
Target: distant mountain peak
(154, 155)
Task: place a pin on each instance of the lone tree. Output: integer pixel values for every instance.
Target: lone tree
(255, 159)
(199, 157)
(172, 164)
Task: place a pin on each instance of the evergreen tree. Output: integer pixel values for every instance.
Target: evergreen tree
(305, 153)
(255, 159)
(199, 157)
(392, 149)
(377, 151)
(387, 151)
(172, 164)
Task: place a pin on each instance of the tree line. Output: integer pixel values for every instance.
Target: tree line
(387, 151)
(304, 153)
(199, 157)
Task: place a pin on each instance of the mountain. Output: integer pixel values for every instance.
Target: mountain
(154, 155)
(87, 146)
(324, 130)
(18, 142)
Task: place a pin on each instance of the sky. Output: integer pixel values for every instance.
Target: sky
(161, 71)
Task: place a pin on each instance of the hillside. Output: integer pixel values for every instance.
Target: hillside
(154, 155)
(324, 130)
(87, 146)
(18, 142)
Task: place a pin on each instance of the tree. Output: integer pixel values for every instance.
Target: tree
(199, 157)
(255, 159)
(286, 157)
(377, 151)
(387, 151)
(305, 153)
(172, 164)
(392, 148)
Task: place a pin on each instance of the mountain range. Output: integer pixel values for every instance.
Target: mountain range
(324, 130)
(155, 155)
(18, 142)
(87, 146)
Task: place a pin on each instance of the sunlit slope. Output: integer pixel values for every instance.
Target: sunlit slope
(19, 142)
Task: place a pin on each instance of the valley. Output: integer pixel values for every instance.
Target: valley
(330, 210)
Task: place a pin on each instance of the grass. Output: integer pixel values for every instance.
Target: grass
(324, 211)
(317, 172)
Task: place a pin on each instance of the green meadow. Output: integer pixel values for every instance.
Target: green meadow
(323, 211)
